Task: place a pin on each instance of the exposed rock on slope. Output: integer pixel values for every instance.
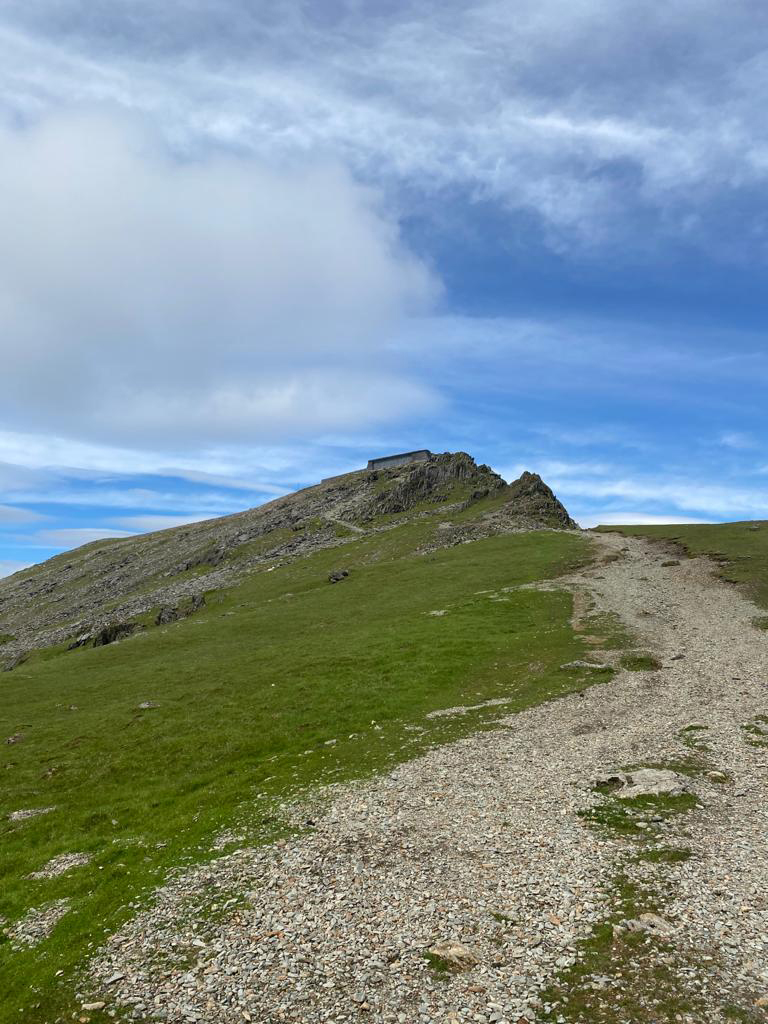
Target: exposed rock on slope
(432, 481)
(530, 497)
(81, 592)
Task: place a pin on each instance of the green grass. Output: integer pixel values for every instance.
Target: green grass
(665, 855)
(756, 734)
(642, 990)
(626, 817)
(740, 548)
(249, 692)
(618, 975)
(439, 965)
(639, 662)
(608, 630)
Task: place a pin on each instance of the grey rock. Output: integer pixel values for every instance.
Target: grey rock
(644, 782)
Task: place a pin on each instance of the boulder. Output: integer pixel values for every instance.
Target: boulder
(651, 923)
(337, 575)
(644, 782)
(80, 641)
(113, 632)
(455, 953)
(167, 614)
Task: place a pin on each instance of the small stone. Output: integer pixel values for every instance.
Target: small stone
(593, 666)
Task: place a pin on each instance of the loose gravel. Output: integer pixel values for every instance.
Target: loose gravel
(480, 844)
(37, 924)
(60, 865)
(31, 812)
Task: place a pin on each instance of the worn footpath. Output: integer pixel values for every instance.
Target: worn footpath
(461, 885)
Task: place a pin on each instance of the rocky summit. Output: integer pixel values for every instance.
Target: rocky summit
(93, 592)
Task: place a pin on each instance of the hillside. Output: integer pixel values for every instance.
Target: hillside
(79, 592)
(185, 738)
(344, 758)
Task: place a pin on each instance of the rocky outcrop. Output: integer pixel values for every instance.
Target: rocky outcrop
(431, 481)
(172, 613)
(113, 632)
(531, 497)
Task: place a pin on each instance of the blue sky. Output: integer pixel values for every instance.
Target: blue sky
(246, 246)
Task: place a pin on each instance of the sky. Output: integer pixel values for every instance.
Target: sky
(244, 246)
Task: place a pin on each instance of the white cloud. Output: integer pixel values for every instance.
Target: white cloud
(556, 468)
(141, 524)
(576, 110)
(631, 518)
(75, 536)
(167, 301)
(670, 492)
(8, 566)
(12, 514)
(737, 439)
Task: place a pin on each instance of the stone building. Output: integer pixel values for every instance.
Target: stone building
(403, 459)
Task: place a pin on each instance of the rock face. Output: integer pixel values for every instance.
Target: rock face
(82, 596)
(531, 497)
(428, 481)
(172, 613)
(113, 632)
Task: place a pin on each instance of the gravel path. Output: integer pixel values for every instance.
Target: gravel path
(480, 843)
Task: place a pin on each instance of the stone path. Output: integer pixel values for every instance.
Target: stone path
(481, 843)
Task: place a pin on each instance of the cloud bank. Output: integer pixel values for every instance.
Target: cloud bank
(595, 116)
(216, 298)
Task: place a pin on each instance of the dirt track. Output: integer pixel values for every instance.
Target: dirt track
(481, 843)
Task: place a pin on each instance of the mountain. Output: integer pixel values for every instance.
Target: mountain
(77, 595)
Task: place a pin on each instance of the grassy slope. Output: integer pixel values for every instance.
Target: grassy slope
(742, 548)
(249, 691)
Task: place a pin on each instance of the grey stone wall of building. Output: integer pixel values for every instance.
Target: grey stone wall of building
(403, 459)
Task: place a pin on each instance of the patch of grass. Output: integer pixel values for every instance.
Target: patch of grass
(689, 765)
(633, 818)
(5, 638)
(743, 1016)
(639, 662)
(634, 986)
(760, 622)
(665, 855)
(607, 630)
(691, 736)
(740, 548)
(754, 729)
(438, 964)
(248, 692)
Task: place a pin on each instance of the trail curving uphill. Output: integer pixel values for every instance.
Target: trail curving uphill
(500, 844)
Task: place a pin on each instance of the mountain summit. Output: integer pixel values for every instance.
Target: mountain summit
(81, 592)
